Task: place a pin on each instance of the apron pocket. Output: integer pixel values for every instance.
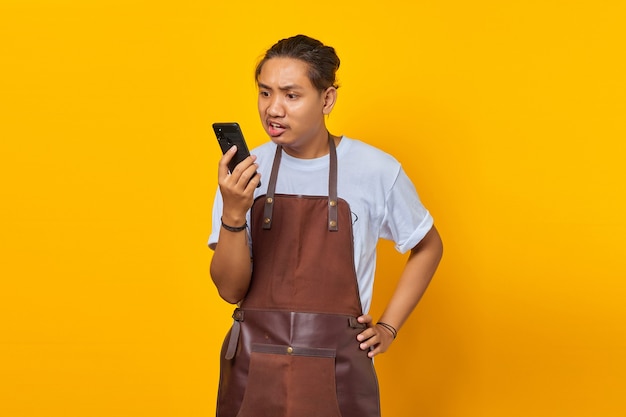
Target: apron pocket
(290, 381)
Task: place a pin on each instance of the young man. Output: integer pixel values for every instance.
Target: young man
(302, 343)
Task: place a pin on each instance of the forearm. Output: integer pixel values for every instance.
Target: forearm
(231, 266)
(415, 278)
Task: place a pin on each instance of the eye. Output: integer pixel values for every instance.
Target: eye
(264, 93)
(292, 96)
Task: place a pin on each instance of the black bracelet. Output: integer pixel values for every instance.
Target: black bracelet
(234, 229)
(389, 327)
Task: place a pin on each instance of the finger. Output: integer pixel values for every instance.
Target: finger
(254, 181)
(366, 334)
(365, 318)
(224, 160)
(369, 342)
(244, 165)
(248, 175)
(374, 352)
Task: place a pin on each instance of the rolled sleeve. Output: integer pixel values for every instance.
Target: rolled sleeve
(406, 220)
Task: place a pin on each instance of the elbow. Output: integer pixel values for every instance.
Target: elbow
(230, 294)
(225, 288)
(230, 297)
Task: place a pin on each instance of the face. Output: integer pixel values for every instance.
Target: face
(292, 110)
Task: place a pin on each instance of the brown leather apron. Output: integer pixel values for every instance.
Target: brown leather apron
(292, 350)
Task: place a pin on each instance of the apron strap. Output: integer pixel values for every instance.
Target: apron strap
(233, 341)
(271, 190)
(332, 188)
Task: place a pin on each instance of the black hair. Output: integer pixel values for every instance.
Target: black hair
(322, 60)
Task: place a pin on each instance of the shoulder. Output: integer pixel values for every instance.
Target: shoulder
(362, 155)
(355, 147)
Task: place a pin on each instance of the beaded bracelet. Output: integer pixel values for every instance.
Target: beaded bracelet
(389, 327)
(232, 228)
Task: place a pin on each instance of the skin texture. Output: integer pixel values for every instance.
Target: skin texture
(293, 113)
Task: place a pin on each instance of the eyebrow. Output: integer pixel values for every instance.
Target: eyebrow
(289, 87)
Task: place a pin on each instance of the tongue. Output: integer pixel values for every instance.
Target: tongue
(276, 131)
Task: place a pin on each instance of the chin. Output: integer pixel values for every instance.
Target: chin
(280, 140)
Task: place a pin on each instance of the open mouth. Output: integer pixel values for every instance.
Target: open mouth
(276, 129)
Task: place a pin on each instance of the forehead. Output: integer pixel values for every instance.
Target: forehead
(280, 72)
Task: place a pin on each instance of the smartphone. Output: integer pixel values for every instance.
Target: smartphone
(229, 134)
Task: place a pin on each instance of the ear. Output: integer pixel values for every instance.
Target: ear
(329, 97)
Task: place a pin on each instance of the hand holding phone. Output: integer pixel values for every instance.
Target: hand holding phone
(229, 135)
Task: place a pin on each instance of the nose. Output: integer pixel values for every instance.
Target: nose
(275, 107)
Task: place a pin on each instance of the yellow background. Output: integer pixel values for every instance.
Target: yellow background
(508, 115)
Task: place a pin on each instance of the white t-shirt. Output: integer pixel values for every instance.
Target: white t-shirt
(382, 199)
